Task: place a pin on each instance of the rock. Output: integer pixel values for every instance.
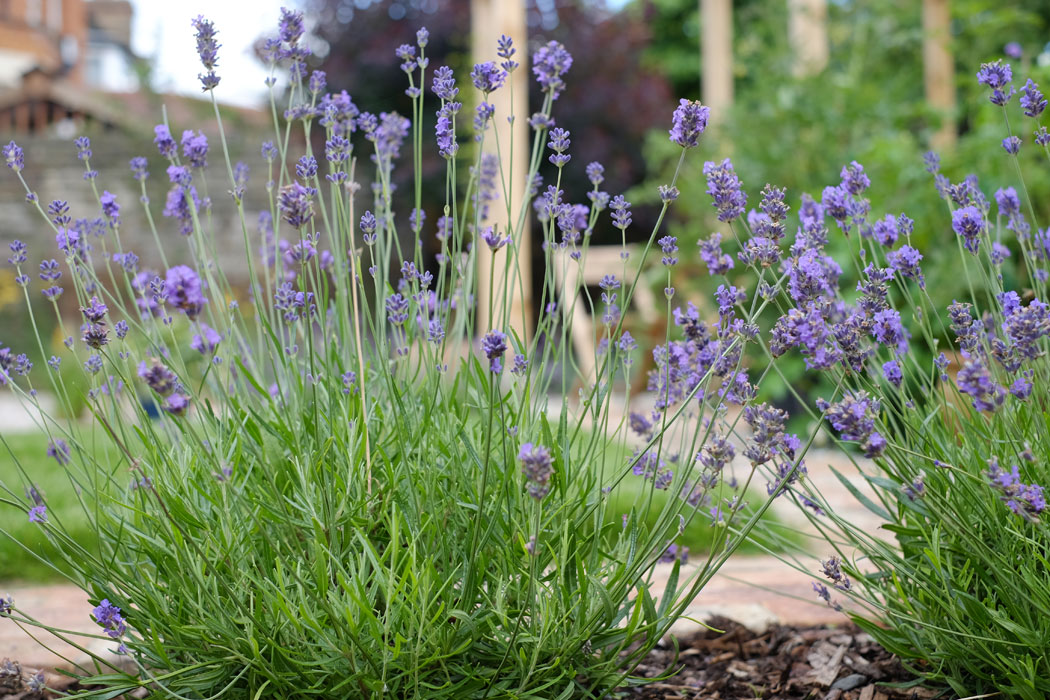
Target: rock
(853, 680)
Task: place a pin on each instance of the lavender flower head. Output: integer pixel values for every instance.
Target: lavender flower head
(109, 617)
(968, 222)
(488, 77)
(854, 418)
(163, 141)
(996, 75)
(725, 189)
(688, 123)
(494, 344)
(1032, 100)
(208, 51)
(549, 63)
(295, 202)
(14, 156)
(291, 27)
(537, 466)
(183, 290)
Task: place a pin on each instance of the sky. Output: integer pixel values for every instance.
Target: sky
(162, 31)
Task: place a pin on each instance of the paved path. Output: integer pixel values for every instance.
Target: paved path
(19, 417)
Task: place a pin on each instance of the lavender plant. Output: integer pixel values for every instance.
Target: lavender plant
(342, 494)
(955, 581)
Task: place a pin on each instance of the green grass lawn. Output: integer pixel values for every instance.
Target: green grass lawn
(27, 452)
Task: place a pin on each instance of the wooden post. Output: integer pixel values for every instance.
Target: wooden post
(938, 70)
(808, 34)
(716, 51)
(489, 19)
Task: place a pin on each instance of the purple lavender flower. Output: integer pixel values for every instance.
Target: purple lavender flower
(195, 149)
(669, 247)
(397, 309)
(494, 344)
(595, 173)
(14, 157)
(488, 77)
(996, 76)
(549, 63)
(206, 341)
(891, 371)
(725, 189)
(18, 252)
(1042, 136)
(1012, 144)
(158, 377)
(38, 514)
(621, 212)
(718, 263)
(537, 466)
(1032, 100)
(306, 168)
(110, 208)
(138, 167)
(163, 141)
(854, 180)
(290, 27)
(854, 418)
(674, 553)
(932, 162)
(207, 50)
(445, 132)
(717, 453)
(905, 260)
(767, 426)
(1024, 326)
(109, 617)
(886, 231)
(668, 193)
(688, 123)
(177, 404)
(295, 202)
(95, 311)
(444, 84)
(1013, 50)
(975, 380)
(888, 330)
(559, 143)
(832, 568)
(388, 135)
(83, 146)
(968, 222)
(58, 450)
(183, 290)
(1022, 386)
(182, 204)
(835, 201)
(1026, 500)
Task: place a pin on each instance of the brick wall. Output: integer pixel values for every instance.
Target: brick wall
(54, 172)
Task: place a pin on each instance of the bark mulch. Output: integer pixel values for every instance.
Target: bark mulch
(782, 663)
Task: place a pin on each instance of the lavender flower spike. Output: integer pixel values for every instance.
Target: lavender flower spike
(494, 344)
(688, 123)
(537, 466)
(208, 50)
